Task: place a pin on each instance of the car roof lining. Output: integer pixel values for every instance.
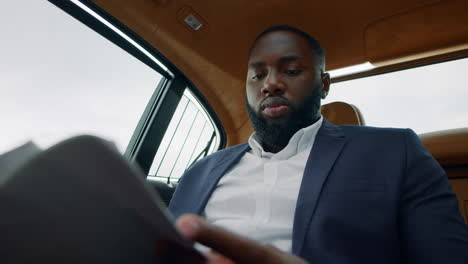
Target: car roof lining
(393, 34)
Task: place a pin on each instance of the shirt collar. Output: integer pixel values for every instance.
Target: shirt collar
(302, 140)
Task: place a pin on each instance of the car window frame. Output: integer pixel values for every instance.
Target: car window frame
(155, 119)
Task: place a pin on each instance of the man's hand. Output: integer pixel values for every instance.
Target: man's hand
(230, 248)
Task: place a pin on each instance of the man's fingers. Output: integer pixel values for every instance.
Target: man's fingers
(189, 225)
(239, 249)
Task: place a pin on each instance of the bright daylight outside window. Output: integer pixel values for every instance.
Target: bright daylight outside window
(59, 78)
(190, 136)
(424, 99)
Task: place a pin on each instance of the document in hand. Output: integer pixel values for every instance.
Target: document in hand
(81, 202)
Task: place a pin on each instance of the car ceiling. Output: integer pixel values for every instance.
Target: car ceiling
(214, 58)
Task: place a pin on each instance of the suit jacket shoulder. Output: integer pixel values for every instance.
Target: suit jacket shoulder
(200, 180)
(217, 157)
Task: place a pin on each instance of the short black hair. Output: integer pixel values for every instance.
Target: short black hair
(314, 44)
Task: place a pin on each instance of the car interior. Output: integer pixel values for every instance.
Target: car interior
(204, 45)
(392, 35)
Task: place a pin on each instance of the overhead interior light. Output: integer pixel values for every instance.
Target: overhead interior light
(193, 22)
(118, 31)
(351, 69)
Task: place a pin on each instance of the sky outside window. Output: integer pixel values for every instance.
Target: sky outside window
(424, 99)
(59, 78)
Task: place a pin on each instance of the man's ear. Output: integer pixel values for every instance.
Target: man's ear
(325, 84)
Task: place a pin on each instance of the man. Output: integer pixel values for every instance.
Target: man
(325, 193)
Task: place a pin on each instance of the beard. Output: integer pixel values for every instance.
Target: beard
(277, 133)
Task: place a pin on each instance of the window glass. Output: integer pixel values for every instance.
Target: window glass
(59, 78)
(425, 99)
(190, 136)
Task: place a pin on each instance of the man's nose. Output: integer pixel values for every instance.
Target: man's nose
(273, 84)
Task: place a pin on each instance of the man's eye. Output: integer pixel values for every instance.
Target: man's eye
(258, 76)
(292, 72)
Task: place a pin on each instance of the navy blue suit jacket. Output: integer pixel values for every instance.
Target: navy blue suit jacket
(368, 195)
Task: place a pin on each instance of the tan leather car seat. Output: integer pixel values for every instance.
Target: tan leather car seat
(450, 149)
(340, 113)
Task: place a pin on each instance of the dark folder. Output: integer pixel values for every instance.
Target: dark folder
(81, 202)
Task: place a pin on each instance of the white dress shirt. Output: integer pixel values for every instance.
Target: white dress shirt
(257, 197)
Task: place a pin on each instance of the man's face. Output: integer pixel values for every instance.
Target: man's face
(283, 84)
(282, 73)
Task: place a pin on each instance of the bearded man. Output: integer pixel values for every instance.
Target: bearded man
(302, 189)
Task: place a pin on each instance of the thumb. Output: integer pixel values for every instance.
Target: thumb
(190, 225)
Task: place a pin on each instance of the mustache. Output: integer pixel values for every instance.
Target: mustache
(272, 101)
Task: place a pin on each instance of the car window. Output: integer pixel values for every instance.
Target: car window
(60, 78)
(425, 99)
(190, 136)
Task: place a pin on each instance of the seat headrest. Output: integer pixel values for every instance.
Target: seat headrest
(449, 147)
(340, 113)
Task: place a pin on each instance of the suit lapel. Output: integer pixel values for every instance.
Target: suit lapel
(327, 147)
(228, 160)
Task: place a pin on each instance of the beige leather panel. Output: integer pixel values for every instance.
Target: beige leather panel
(418, 33)
(449, 147)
